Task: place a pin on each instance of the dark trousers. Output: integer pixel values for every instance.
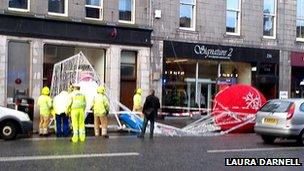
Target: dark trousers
(152, 120)
(62, 125)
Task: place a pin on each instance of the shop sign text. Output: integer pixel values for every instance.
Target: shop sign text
(213, 53)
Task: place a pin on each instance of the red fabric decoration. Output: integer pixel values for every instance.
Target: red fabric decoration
(234, 104)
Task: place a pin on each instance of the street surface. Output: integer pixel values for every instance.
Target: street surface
(127, 152)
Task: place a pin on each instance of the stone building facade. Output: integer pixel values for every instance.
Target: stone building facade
(34, 34)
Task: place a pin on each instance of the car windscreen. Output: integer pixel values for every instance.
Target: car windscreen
(276, 106)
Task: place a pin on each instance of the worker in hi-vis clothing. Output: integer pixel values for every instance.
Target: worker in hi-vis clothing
(60, 106)
(45, 106)
(101, 111)
(137, 102)
(77, 107)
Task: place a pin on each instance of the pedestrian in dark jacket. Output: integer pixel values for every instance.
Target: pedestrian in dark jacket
(150, 110)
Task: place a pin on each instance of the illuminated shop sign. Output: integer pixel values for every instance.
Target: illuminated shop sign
(213, 53)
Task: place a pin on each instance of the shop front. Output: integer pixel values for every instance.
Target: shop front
(194, 73)
(297, 75)
(120, 55)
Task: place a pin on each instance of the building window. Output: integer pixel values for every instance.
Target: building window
(127, 11)
(187, 14)
(23, 5)
(300, 20)
(128, 65)
(18, 69)
(233, 17)
(93, 9)
(269, 21)
(58, 7)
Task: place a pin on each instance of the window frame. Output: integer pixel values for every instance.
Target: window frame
(133, 10)
(20, 9)
(65, 14)
(100, 8)
(274, 21)
(300, 39)
(193, 22)
(238, 32)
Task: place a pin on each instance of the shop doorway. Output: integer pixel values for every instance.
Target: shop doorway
(199, 93)
(127, 78)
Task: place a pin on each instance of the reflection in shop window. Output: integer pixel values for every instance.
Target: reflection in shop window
(126, 10)
(19, 4)
(58, 6)
(94, 9)
(269, 21)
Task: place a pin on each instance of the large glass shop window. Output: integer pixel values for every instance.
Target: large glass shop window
(191, 84)
(18, 69)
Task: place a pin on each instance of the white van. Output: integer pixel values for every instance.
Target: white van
(13, 122)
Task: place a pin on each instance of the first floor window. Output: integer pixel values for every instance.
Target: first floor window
(269, 18)
(300, 19)
(94, 9)
(126, 10)
(19, 4)
(187, 11)
(233, 16)
(57, 6)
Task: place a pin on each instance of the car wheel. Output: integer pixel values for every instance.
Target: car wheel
(8, 130)
(268, 139)
(300, 139)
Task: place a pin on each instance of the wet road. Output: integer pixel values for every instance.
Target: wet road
(129, 153)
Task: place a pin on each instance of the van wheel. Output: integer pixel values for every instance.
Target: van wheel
(268, 139)
(8, 130)
(300, 139)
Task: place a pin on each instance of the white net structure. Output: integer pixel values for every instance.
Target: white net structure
(72, 70)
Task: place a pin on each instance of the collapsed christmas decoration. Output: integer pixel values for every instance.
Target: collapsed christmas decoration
(234, 107)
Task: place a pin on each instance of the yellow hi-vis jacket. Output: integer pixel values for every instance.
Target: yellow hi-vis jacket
(100, 105)
(61, 103)
(45, 105)
(137, 102)
(77, 101)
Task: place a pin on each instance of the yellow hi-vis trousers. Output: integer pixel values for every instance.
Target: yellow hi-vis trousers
(78, 117)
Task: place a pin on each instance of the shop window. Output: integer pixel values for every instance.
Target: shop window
(22, 5)
(94, 9)
(267, 69)
(57, 53)
(269, 19)
(233, 17)
(126, 11)
(18, 69)
(187, 14)
(300, 20)
(58, 7)
(128, 65)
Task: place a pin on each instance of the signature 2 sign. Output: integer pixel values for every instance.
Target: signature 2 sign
(213, 53)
